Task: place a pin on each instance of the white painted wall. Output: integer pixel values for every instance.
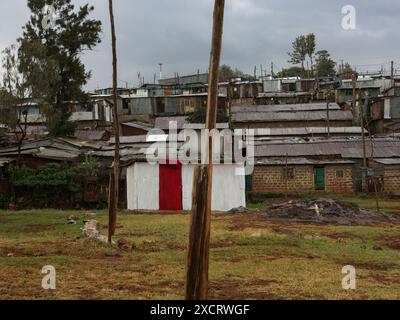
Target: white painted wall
(229, 189)
(143, 186)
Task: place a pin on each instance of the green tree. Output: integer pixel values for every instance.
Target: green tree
(290, 72)
(347, 68)
(71, 33)
(310, 49)
(227, 73)
(299, 51)
(325, 66)
(13, 96)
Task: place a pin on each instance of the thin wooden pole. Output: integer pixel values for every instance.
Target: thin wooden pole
(286, 176)
(365, 164)
(199, 239)
(114, 178)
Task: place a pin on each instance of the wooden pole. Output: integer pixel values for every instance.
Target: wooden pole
(114, 177)
(364, 169)
(286, 176)
(199, 239)
(392, 73)
(328, 115)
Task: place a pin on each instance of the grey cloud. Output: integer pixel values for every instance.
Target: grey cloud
(177, 33)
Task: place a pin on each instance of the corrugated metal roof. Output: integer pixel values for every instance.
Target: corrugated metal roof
(94, 135)
(164, 122)
(284, 107)
(306, 131)
(291, 116)
(395, 161)
(4, 161)
(299, 161)
(139, 125)
(345, 149)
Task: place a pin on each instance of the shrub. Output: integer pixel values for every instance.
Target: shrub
(51, 185)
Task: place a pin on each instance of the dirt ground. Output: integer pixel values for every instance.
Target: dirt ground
(252, 257)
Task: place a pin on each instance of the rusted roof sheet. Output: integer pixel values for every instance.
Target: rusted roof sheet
(291, 116)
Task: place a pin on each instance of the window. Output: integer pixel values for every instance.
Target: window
(339, 174)
(288, 173)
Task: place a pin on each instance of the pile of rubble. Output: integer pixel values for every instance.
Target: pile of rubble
(327, 211)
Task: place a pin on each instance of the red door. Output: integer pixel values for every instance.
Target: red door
(171, 187)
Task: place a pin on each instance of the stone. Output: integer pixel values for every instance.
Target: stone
(72, 220)
(125, 245)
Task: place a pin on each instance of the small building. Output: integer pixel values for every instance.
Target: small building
(390, 170)
(318, 164)
(169, 187)
(370, 87)
(301, 175)
(385, 115)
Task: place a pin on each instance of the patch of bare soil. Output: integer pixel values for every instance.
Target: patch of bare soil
(234, 290)
(39, 227)
(392, 242)
(327, 211)
(240, 222)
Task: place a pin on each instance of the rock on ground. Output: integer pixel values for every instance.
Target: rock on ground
(90, 230)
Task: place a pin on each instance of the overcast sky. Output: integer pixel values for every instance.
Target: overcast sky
(177, 33)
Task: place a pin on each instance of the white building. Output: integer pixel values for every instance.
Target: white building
(169, 187)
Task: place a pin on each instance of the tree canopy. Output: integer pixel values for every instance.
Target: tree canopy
(226, 73)
(54, 51)
(325, 66)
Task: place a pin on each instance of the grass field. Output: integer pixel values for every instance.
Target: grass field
(251, 258)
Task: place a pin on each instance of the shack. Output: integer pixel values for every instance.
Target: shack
(169, 187)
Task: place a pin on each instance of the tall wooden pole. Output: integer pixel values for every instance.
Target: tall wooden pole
(328, 115)
(199, 239)
(114, 176)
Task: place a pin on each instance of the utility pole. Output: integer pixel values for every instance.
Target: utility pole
(328, 115)
(286, 176)
(199, 239)
(161, 70)
(364, 168)
(272, 69)
(114, 176)
(392, 73)
(342, 64)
